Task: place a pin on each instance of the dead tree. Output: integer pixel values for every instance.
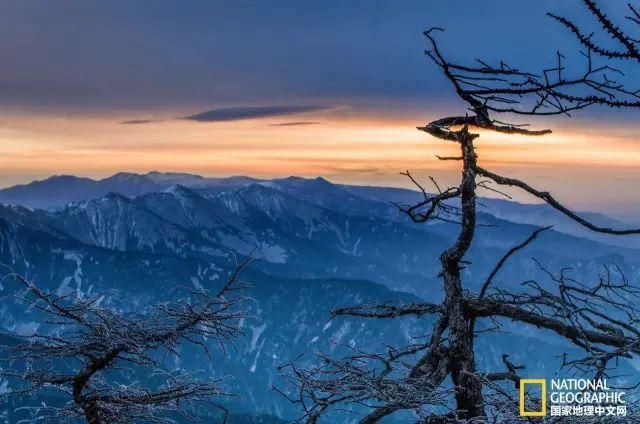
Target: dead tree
(601, 318)
(90, 354)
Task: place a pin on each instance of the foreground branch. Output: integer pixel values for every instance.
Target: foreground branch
(551, 201)
(91, 354)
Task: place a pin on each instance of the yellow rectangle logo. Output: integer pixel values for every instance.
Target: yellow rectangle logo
(543, 388)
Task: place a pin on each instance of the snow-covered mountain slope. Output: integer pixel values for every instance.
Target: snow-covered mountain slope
(302, 228)
(57, 191)
(288, 236)
(521, 213)
(288, 315)
(115, 222)
(317, 246)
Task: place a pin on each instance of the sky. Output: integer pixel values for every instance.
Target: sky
(332, 88)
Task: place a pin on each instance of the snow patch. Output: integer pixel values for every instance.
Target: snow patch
(256, 332)
(274, 254)
(196, 283)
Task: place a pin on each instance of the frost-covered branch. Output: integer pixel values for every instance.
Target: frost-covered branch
(601, 319)
(91, 354)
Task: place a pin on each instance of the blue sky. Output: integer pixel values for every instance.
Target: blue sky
(348, 79)
(167, 53)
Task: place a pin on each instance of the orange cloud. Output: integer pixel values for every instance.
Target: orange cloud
(349, 147)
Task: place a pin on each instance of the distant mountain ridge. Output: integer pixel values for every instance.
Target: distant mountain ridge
(60, 190)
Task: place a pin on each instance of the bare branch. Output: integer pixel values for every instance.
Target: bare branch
(551, 201)
(81, 341)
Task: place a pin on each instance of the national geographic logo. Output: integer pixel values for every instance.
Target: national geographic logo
(573, 397)
(543, 396)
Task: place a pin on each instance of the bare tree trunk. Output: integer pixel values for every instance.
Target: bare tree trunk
(461, 357)
(490, 89)
(89, 408)
(91, 413)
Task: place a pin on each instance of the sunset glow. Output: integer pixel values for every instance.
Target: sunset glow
(360, 149)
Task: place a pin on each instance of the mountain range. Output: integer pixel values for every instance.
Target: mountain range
(317, 245)
(60, 190)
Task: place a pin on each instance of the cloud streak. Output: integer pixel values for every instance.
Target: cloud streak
(252, 112)
(295, 124)
(239, 113)
(138, 121)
